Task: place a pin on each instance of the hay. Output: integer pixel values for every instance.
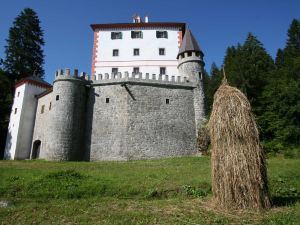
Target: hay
(239, 176)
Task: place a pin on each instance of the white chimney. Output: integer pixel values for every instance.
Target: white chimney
(146, 19)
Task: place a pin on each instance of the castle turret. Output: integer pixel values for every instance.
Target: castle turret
(66, 130)
(22, 117)
(190, 64)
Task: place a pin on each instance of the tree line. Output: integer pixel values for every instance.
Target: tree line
(272, 86)
(23, 57)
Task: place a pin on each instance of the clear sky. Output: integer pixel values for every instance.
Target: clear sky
(215, 24)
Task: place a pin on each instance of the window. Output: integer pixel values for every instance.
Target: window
(16, 110)
(18, 94)
(136, 51)
(42, 109)
(161, 34)
(167, 101)
(116, 35)
(162, 51)
(57, 97)
(162, 70)
(50, 106)
(136, 34)
(114, 70)
(189, 53)
(107, 100)
(115, 52)
(136, 70)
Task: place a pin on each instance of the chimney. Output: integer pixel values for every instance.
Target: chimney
(146, 19)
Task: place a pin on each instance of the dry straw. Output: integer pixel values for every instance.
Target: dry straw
(239, 175)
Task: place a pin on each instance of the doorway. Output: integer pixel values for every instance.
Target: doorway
(36, 149)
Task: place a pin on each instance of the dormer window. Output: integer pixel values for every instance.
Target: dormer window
(136, 34)
(161, 34)
(116, 35)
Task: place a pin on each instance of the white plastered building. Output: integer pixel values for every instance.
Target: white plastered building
(138, 47)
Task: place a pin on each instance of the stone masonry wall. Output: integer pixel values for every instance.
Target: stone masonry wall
(137, 123)
(157, 128)
(193, 70)
(41, 127)
(106, 123)
(65, 136)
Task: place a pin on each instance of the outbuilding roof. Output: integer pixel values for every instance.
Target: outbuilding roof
(33, 80)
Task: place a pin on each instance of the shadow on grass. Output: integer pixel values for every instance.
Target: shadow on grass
(285, 201)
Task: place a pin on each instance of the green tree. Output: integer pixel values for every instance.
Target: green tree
(280, 100)
(214, 83)
(248, 68)
(24, 53)
(5, 107)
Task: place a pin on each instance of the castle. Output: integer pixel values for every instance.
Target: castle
(144, 99)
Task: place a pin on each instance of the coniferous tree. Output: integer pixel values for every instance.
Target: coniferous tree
(248, 67)
(280, 117)
(24, 53)
(214, 83)
(5, 107)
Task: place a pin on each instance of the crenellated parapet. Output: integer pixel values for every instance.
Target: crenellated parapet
(141, 78)
(61, 74)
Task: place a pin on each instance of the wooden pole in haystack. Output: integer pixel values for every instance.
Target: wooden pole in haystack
(239, 175)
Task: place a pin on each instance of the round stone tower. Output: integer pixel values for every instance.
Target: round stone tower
(67, 117)
(190, 64)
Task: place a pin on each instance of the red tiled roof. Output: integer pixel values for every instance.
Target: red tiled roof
(33, 80)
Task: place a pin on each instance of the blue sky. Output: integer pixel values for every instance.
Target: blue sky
(215, 24)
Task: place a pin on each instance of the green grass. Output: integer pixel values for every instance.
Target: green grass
(168, 191)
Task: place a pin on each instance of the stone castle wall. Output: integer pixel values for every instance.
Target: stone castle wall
(119, 118)
(42, 122)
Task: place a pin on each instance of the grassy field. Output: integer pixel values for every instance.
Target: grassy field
(169, 191)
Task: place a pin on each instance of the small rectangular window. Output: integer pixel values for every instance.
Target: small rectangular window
(161, 34)
(16, 110)
(114, 70)
(107, 100)
(189, 53)
(42, 109)
(136, 51)
(162, 51)
(136, 34)
(18, 94)
(116, 35)
(162, 70)
(57, 97)
(50, 106)
(136, 70)
(115, 52)
(167, 101)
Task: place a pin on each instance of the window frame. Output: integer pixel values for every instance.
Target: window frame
(134, 51)
(116, 35)
(115, 51)
(162, 34)
(136, 34)
(42, 109)
(116, 70)
(163, 51)
(137, 69)
(162, 68)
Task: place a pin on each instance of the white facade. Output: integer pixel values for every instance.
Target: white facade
(21, 121)
(149, 60)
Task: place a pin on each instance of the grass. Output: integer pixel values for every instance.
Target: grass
(168, 191)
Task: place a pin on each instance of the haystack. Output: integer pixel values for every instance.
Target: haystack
(239, 176)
